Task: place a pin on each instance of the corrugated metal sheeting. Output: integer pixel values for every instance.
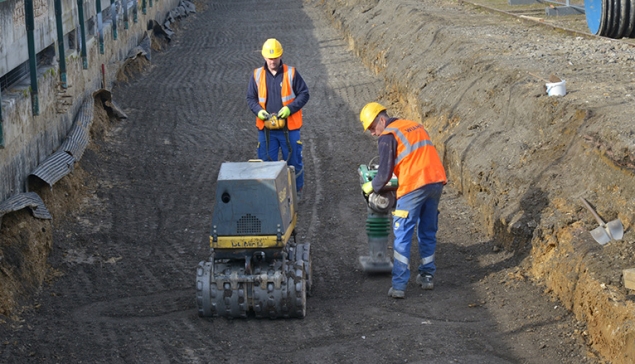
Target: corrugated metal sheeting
(184, 9)
(79, 136)
(143, 49)
(57, 165)
(29, 199)
(61, 163)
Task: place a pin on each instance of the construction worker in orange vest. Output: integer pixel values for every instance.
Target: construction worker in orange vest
(406, 150)
(278, 88)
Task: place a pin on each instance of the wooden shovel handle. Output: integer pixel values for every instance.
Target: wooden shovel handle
(538, 77)
(597, 217)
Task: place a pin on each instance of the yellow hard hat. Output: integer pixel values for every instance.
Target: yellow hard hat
(272, 48)
(369, 113)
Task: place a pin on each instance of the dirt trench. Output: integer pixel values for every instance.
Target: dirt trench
(520, 157)
(119, 285)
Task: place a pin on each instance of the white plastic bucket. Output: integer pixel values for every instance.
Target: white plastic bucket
(557, 88)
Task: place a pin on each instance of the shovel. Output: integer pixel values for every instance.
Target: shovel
(613, 230)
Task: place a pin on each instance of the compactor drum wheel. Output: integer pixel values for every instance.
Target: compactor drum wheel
(303, 254)
(273, 289)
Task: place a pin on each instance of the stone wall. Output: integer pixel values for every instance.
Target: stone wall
(28, 138)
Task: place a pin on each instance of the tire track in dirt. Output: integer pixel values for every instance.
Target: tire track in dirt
(335, 93)
(157, 307)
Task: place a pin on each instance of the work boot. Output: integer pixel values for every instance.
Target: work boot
(395, 293)
(299, 194)
(425, 280)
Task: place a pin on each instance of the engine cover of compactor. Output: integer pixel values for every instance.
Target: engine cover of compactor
(255, 266)
(255, 206)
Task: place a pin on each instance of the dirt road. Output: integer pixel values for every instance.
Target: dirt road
(124, 262)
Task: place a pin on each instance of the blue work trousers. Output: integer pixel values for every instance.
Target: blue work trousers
(417, 209)
(278, 143)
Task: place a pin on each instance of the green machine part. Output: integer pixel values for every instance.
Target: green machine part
(367, 174)
(377, 225)
(378, 222)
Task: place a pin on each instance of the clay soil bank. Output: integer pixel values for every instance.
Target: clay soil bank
(476, 79)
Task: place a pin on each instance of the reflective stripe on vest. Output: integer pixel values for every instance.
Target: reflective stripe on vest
(262, 97)
(290, 73)
(287, 95)
(417, 162)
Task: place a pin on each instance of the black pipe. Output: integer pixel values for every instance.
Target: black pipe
(100, 28)
(125, 14)
(60, 41)
(143, 6)
(30, 30)
(82, 31)
(135, 17)
(113, 12)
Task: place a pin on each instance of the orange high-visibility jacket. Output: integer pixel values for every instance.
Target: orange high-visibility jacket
(294, 121)
(417, 163)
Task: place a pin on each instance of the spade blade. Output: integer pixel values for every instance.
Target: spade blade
(600, 235)
(615, 229)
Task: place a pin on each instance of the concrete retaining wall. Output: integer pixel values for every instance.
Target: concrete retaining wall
(27, 138)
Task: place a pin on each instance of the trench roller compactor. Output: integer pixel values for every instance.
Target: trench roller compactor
(256, 265)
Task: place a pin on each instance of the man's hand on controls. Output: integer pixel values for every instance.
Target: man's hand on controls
(367, 188)
(284, 112)
(263, 114)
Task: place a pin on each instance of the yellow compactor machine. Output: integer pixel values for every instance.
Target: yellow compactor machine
(256, 265)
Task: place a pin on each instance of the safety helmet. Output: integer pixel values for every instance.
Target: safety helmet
(272, 48)
(369, 113)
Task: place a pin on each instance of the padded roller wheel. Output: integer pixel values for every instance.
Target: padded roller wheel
(297, 295)
(203, 297)
(308, 268)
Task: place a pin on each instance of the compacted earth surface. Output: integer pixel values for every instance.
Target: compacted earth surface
(520, 279)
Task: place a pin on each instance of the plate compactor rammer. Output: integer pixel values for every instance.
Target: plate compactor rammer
(378, 221)
(255, 265)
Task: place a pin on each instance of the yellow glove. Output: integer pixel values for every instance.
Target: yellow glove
(263, 114)
(284, 112)
(367, 188)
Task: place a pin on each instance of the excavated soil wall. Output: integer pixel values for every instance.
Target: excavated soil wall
(522, 158)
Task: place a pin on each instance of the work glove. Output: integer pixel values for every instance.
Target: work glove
(367, 188)
(263, 114)
(284, 112)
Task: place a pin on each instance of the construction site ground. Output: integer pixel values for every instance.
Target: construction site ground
(520, 279)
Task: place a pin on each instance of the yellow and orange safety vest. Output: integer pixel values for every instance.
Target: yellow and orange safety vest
(294, 121)
(417, 163)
